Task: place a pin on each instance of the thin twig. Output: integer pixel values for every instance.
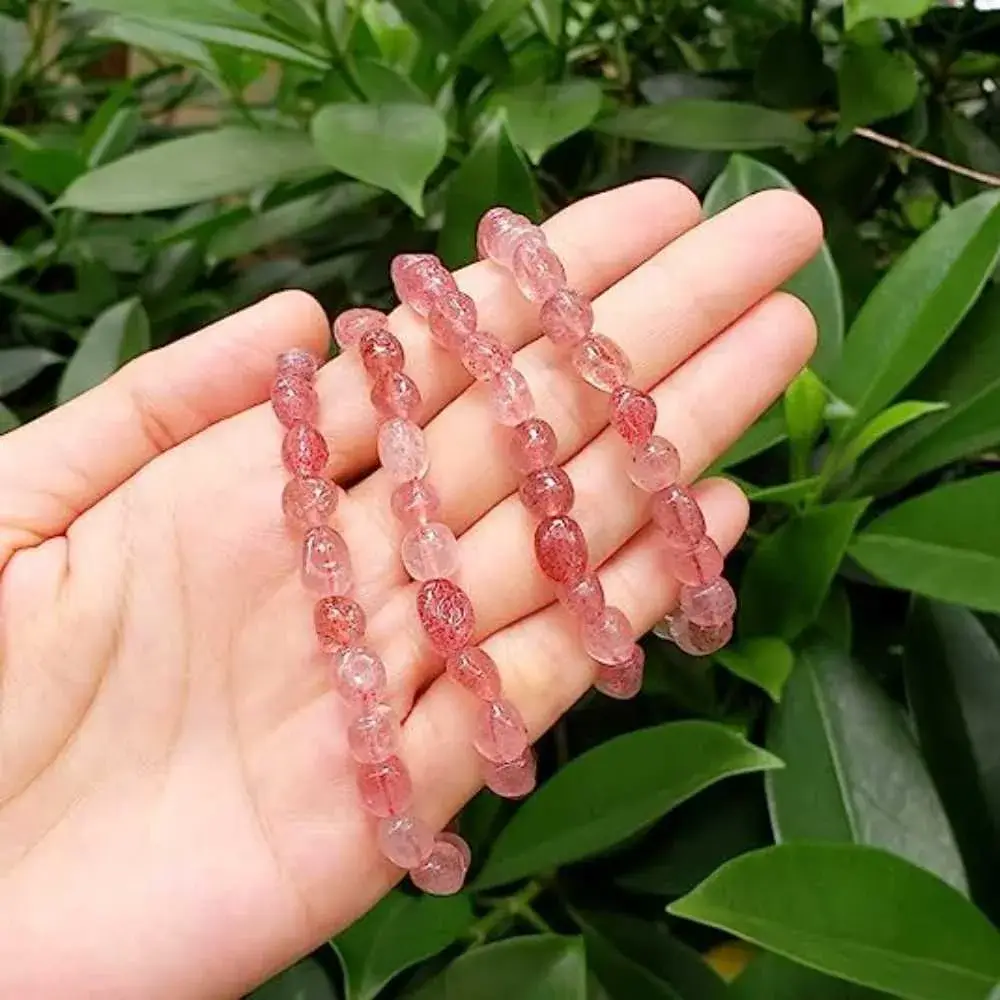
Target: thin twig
(920, 154)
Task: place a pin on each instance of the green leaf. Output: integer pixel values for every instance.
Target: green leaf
(12, 262)
(891, 419)
(855, 912)
(817, 283)
(804, 403)
(15, 44)
(494, 173)
(383, 85)
(873, 84)
(969, 145)
(771, 977)
(549, 14)
(542, 115)
(610, 792)
(153, 37)
(853, 773)
(8, 419)
(917, 306)
(224, 13)
(791, 72)
(944, 544)
(398, 933)
(430, 21)
(193, 168)
(768, 431)
(790, 571)
(306, 980)
(116, 336)
(764, 661)
(391, 146)
(856, 11)
(496, 15)
(544, 967)
(19, 365)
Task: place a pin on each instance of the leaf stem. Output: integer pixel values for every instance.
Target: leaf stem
(992, 180)
(506, 911)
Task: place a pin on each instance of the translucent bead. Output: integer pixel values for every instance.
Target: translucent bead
(699, 640)
(310, 501)
(359, 676)
(453, 838)
(655, 464)
(350, 326)
(297, 362)
(304, 451)
(609, 636)
(452, 318)
(338, 621)
(566, 317)
(485, 356)
(624, 680)
(473, 668)
(510, 397)
(708, 604)
(405, 840)
(633, 414)
(402, 449)
(293, 399)
(561, 548)
(326, 563)
(443, 873)
(429, 551)
(537, 270)
(498, 233)
(532, 445)
(547, 492)
(374, 736)
(696, 565)
(395, 394)
(512, 779)
(500, 734)
(602, 363)
(583, 598)
(381, 353)
(415, 502)
(385, 787)
(446, 613)
(679, 517)
(420, 279)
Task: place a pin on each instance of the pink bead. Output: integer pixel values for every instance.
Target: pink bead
(446, 613)
(510, 397)
(304, 451)
(602, 363)
(696, 565)
(633, 414)
(443, 873)
(566, 317)
(405, 840)
(532, 445)
(297, 362)
(420, 279)
(475, 670)
(385, 787)
(624, 680)
(429, 551)
(583, 598)
(339, 621)
(609, 636)
(402, 449)
(513, 779)
(679, 517)
(698, 640)
(358, 676)
(350, 326)
(537, 270)
(484, 355)
(448, 837)
(293, 399)
(547, 492)
(381, 353)
(374, 736)
(309, 502)
(395, 394)
(326, 563)
(498, 233)
(561, 548)
(655, 464)
(452, 318)
(415, 502)
(501, 734)
(709, 604)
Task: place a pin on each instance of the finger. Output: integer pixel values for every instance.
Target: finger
(60, 465)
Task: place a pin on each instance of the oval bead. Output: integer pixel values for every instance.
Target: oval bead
(326, 562)
(358, 676)
(532, 445)
(474, 669)
(451, 319)
(381, 353)
(511, 779)
(446, 613)
(374, 735)
(429, 551)
(500, 733)
(547, 492)
(537, 270)
(338, 621)
(709, 604)
(420, 279)
(298, 362)
(352, 324)
(443, 872)
(655, 464)
(385, 787)
(304, 451)
(561, 548)
(609, 637)
(699, 564)
(623, 680)
(293, 398)
(395, 394)
(453, 838)
(583, 598)
(633, 414)
(510, 397)
(415, 502)
(699, 640)
(566, 317)
(601, 363)
(679, 517)
(309, 502)
(405, 840)
(498, 233)
(485, 356)
(402, 449)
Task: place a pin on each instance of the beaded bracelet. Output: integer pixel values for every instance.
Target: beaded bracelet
(430, 554)
(707, 601)
(436, 864)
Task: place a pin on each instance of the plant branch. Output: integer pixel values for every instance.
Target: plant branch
(993, 180)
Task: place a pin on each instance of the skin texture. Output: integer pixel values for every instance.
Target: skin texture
(178, 817)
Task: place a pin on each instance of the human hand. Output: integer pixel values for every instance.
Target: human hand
(178, 815)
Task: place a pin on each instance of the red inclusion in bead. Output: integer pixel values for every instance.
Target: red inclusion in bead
(633, 414)
(395, 394)
(326, 563)
(709, 604)
(339, 621)
(304, 451)
(699, 640)
(532, 445)
(385, 787)
(696, 565)
(294, 399)
(609, 636)
(511, 779)
(297, 362)
(679, 517)
(475, 670)
(309, 502)
(499, 232)
(601, 363)
(381, 353)
(484, 355)
(350, 326)
(358, 676)
(655, 464)
(415, 502)
(566, 317)
(623, 680)
(501, 734)
(583, 598)
(537, 270)
(446, 613)
(443, 873)
(420, 279)
(374, 736)
(405, 840)
(561, 548)
(452, 319)
(510, 397)
(547, 492)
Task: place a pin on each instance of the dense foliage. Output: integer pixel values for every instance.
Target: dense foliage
(266, 143)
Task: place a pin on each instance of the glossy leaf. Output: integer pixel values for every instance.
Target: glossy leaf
(391, 146)
(399, 932)
(543, 115)
(888, 421)
(791, 72)
(883, 922)
(151, 35)
(306, 980)
(791, 494)
(764, 661)
(768, 431)
(944, 544)
(222, 13)
(19, 365)
(12, 262)
(966, 143)
(383, 85)
(15, 44)
(853, 773)
(771, 977)
(549, 14)
(856, 11)
(873, 84)
(610, 792)
(495, 16)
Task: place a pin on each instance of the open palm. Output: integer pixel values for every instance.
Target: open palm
(178, 816)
